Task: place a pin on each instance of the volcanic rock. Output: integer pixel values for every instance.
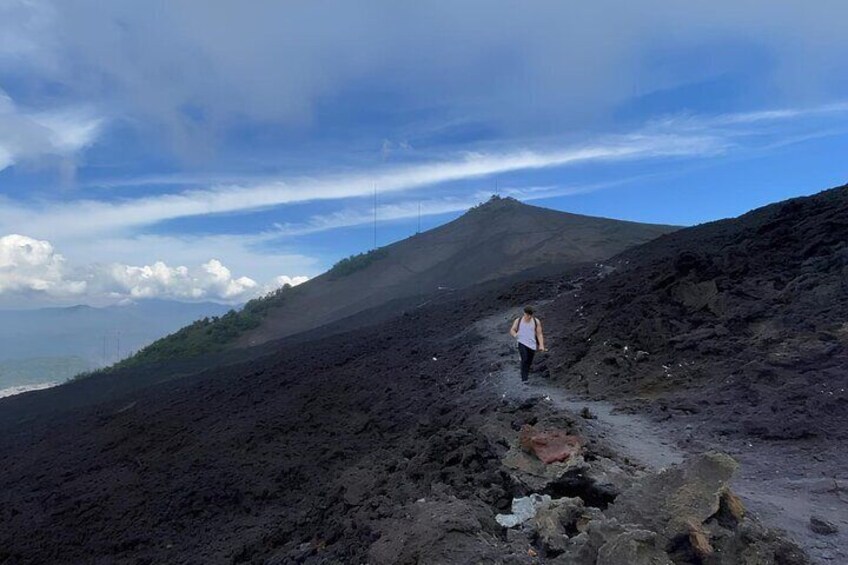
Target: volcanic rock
(671, 501)
(822, 526)
(556, 520)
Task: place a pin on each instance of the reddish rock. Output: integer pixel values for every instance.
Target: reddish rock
(549, 446)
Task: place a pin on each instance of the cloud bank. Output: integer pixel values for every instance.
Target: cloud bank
(31, 268)
(194, 69)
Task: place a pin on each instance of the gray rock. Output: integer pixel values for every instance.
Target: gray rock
(671, 501)
(609, 542)
(437, 531)
(555, 520)
(822, 526)
(535, 475)
(608, 477)
(633, 547)
(695, 295)
(582, 549)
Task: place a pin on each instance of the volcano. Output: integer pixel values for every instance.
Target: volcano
(401, 442)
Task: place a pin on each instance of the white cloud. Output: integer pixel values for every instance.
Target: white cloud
(387, 212)
(31, 268)
(248, 254)
(212, 280)
(283, 280)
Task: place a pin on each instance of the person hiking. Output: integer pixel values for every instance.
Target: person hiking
(527, 330)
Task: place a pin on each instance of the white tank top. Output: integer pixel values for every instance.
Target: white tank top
(527, 332)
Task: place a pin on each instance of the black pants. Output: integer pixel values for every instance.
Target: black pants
(526, 360)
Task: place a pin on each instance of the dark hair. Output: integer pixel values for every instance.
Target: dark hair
(528, 310)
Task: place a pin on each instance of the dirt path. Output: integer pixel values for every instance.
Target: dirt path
(631, 435)
(778, 496)
(785, 484)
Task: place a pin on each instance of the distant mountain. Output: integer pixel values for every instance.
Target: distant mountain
(498, 239)
(50, 344)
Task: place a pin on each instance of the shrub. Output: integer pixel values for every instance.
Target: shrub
(355, 263)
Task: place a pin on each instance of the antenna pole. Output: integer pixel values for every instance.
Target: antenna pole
(375, 215)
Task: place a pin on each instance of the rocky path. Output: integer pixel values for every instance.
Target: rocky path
(632, 436)
(775, 494)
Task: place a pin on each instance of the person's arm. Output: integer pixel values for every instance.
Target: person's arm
(513, 331)
(540, 337)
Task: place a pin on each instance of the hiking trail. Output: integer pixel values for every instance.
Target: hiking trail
(777, 496)
(633, 436)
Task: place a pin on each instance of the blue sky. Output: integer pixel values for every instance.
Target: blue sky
(213, 150)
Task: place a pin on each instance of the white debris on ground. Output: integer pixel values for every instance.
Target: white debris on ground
(523, 509)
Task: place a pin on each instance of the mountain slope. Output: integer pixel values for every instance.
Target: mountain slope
(741, 323)
(494, 240)
(389, 445)
(498, 239)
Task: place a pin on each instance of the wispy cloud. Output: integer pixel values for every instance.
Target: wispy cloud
(73, 219)
(696, 123)
(673, 137)
(27, 135)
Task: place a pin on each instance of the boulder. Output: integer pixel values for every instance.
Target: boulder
(822, 526)
(358, 484)
(672, 501)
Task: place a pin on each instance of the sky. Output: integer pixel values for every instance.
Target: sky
(211, 150)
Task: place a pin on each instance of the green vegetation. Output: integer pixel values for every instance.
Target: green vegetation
(355, 263)
(208, 335)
